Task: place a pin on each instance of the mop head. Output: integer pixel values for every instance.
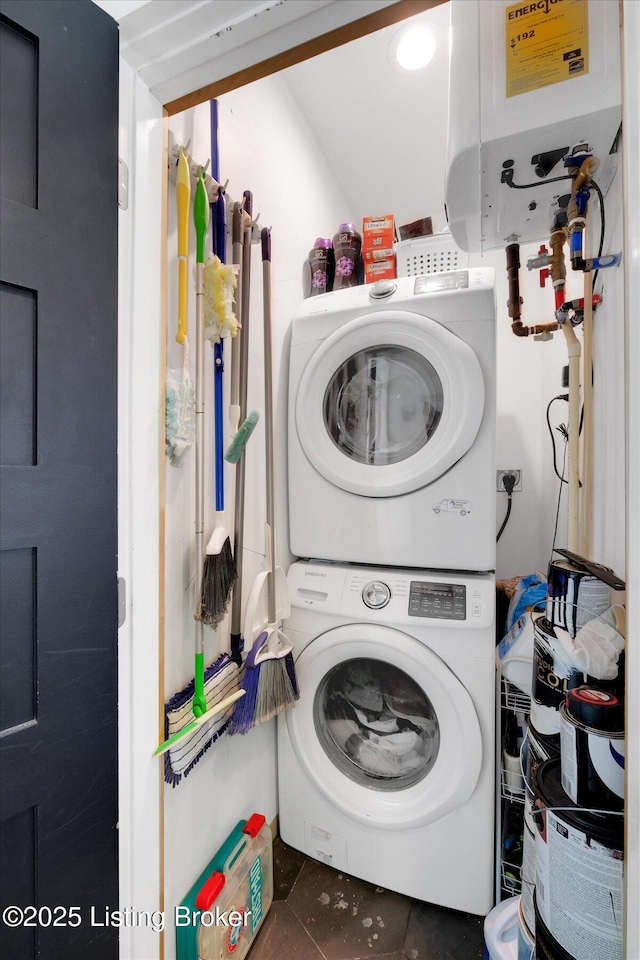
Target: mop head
(220, 281)
(239, 442)
(219, 574)
(270, 687)
(180, 415)
(220, 680)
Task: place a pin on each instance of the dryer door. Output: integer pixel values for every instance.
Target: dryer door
(384, 729)
(389, 403)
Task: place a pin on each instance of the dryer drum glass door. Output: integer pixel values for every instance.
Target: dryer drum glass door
(383, 404)
(376, 724)
(388, 403)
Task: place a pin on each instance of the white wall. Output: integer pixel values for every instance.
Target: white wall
(265, 146)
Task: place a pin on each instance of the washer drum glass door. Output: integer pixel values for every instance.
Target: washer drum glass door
(384, 728)
(389, 403)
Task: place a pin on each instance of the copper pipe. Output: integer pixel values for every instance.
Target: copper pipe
(521, 331)
(557, 264)
(515, 300)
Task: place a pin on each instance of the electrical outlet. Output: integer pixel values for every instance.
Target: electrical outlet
(517, 487)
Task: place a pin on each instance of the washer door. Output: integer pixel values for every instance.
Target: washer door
(383, 728)
(389, 403)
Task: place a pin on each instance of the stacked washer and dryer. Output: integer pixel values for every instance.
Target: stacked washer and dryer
(386, 765)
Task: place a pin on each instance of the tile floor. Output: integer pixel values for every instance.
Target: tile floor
(320, 914)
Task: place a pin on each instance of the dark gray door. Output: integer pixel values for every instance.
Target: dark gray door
(58, 272)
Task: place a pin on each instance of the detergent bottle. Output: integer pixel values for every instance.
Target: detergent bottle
(318, 269)
(347, 247)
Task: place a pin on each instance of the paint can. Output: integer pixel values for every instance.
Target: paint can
(528, 868)
(546, 947)
(579, 875)
(574, 596)
(592, 748)
(536, 749)
(553, 675)
(526, 940)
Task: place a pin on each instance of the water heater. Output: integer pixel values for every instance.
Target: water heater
(528, 83)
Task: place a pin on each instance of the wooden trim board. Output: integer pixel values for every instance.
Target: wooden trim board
(385, 17)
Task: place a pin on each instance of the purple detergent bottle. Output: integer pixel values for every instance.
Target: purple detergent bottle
(318, 269)
(347, 249)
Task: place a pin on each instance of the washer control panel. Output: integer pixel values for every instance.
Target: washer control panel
(437, 601)
(376, 595)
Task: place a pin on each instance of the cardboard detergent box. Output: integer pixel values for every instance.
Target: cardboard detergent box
(220, 916)
(378, 235)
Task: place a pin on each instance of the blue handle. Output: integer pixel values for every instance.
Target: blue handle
(219, 241)
(218, 429)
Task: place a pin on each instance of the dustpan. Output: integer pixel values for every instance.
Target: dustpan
(257, 610)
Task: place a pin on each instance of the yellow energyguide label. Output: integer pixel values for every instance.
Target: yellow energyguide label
(547, 41)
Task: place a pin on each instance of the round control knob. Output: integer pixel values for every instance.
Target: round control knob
(381, 289)
(376, 595)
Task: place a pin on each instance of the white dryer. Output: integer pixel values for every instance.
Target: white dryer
(392, 423)
(386, 763)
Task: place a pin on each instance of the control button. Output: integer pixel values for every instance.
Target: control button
(376, 595)
(476, 609)
(381, 289)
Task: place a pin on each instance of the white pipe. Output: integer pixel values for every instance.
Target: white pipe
(573, 450)
(587, 427)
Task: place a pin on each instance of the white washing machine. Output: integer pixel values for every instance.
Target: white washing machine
(386, 763)
(392, 423)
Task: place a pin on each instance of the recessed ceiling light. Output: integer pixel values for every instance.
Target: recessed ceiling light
(413, 47)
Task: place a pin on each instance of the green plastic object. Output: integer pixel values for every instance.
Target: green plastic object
(201, 217)
(199, 696)
(220, 916)
(239, 442)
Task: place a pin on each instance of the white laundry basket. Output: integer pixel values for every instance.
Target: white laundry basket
(435, 254)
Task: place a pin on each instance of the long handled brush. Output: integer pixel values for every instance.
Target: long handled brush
(219, 572)
(269, 681)
(241, 433)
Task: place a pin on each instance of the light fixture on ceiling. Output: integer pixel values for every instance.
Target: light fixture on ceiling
(413, 47)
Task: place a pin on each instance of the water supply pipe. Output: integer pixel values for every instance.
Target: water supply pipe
(577, 210)
(515, 301)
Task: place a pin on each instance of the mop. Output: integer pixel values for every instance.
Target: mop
(269, 679)
(208, 699)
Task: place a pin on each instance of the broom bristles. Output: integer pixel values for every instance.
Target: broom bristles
(271, 687)
(219, 574)
(242, 719)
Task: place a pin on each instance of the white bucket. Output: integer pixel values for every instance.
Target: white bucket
(501, 931)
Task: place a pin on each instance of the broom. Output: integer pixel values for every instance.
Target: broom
(269, 681)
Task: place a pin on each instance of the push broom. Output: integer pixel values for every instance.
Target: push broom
(269, 679)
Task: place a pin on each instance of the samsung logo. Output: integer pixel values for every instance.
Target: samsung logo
(543, 5)
(309, 573)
